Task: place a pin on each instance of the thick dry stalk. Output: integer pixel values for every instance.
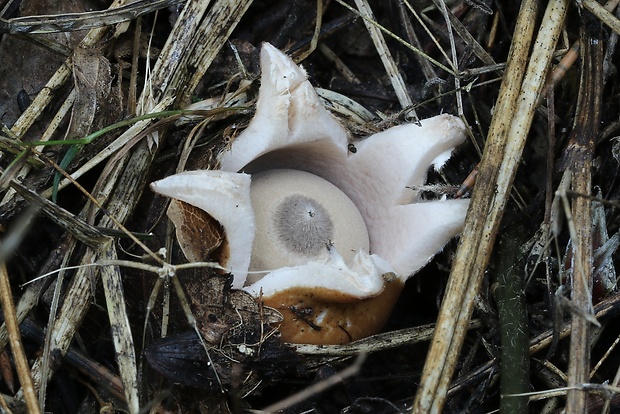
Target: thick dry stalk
(214, 31)
(438, 358)
(174, 52)
(121, 330)
(506, 139)
(603, 13)
(580, 152)
(17, 348)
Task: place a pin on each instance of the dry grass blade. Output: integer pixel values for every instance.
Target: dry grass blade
(121, 330)
(603, 14)
(177, 47)
(378, 342)
(505, 142)
(213, 32)
(12, 325)
(462, 31)
(399, 39)
(386, 57)
(81, 21)
(114, 147)
(580, 155)
(79, 296)
(81, 230)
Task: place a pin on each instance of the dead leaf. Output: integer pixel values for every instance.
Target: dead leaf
(92, 81)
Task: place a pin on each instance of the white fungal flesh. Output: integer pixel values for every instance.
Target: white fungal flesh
(288, 112)
(378, 179)
(362, 278)
(225, 197)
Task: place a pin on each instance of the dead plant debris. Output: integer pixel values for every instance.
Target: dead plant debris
(110, 318)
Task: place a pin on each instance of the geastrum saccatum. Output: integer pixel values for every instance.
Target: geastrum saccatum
(324, 235)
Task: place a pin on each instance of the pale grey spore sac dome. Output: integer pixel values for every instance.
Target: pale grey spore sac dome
(303, 225)
(300, 216)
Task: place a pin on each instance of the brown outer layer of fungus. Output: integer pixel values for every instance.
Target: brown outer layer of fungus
(345, 318)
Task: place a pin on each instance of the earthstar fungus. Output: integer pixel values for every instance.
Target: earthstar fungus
(329, 236)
